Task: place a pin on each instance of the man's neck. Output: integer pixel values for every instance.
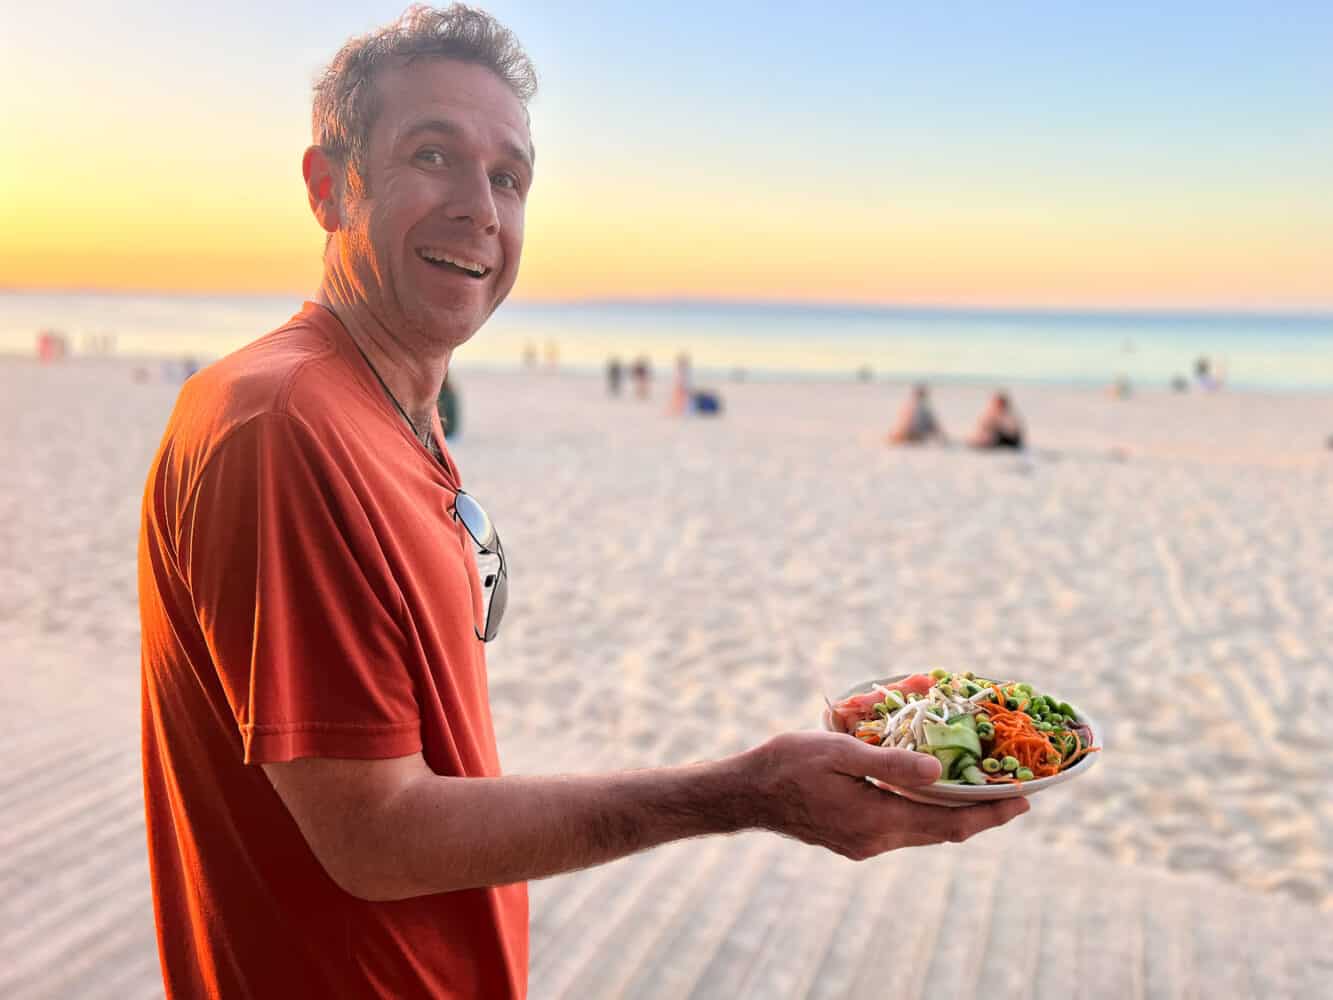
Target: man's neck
(411, 369)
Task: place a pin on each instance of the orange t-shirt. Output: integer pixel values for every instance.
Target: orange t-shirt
(305, 592)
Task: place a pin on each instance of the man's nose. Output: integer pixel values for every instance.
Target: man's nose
(471, 199)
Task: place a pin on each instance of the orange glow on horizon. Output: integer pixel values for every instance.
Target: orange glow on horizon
(245, 228)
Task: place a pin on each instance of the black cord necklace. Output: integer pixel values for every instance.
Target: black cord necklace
(426, 438)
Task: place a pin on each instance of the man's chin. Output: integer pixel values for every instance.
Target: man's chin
(452, 325)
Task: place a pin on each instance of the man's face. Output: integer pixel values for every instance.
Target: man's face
(433, 246)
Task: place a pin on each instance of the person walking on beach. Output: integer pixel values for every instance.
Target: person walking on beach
(682, 388)
(615, 374)
(326, 815)
(641, 373)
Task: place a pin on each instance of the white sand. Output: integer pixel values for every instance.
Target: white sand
(681, 589)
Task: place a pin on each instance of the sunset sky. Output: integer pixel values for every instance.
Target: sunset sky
(1135, 155)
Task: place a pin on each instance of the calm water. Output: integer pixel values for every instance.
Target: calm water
(1256, 351)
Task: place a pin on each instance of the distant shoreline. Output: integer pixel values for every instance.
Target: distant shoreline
(1321, 316)
(724, 377)
(1250, 352)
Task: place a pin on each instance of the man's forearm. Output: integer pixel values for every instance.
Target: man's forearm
(441, 834)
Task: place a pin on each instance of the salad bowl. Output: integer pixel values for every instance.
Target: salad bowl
(959, 793)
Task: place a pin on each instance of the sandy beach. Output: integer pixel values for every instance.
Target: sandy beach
(683, 589)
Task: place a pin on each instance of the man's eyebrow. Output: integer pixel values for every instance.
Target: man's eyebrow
(520, 154)
(442, 125)
(445, 127)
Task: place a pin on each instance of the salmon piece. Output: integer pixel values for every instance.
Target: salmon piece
(858, 707)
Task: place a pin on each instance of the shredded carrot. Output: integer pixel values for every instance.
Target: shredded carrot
(1017, 737)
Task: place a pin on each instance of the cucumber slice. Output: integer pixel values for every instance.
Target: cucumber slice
(974, 775)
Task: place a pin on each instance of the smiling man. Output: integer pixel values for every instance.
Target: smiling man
(326, 812)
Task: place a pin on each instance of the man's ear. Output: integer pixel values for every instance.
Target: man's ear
(321, 184)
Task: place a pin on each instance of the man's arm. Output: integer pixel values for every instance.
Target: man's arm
(392, 829)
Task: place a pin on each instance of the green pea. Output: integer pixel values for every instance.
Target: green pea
(1065, 709)
(969, 675)
(990, 765)
(1023, 774)
(1011, 703)
(939, 673)
(985, 731)
(1009, 763)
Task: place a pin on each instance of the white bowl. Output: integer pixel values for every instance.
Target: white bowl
(959, 795)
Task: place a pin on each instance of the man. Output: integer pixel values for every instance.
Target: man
(326, 815)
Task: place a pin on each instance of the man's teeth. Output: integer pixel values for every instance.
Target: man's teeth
(440, 257)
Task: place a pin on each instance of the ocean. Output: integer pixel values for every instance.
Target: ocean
(1251, 351)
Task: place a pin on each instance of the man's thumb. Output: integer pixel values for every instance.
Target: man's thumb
(900, 767)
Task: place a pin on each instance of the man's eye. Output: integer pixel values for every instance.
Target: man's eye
(433, 157)
(504, 180)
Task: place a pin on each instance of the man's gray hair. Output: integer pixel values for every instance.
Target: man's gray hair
(345, 105)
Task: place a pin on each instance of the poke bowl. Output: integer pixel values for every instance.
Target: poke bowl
(994, 739)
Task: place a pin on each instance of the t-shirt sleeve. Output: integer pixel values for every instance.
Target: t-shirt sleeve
(297, 604)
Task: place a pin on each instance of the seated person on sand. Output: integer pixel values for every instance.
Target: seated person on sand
(999, 426)
(916, 422)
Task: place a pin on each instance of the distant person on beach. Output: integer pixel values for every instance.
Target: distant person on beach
(642, 374)
(999, 425)
(1206, 375)
(685, 398)
(682, 388)
(326, 814)
(615, 374)
(51, 346)
(917, 423)
(449, 409)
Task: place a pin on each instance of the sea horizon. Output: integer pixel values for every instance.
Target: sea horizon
(1252, 349)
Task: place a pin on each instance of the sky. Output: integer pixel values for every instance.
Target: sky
(1051, 155)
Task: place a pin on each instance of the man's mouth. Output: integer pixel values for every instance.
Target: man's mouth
(446, 261)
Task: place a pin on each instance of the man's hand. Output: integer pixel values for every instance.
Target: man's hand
(813, 788)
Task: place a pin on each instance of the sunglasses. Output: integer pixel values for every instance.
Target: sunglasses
(478, 524)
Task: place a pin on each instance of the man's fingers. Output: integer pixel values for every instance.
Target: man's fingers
(960, 824)
(894, 767)
(954, 820)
